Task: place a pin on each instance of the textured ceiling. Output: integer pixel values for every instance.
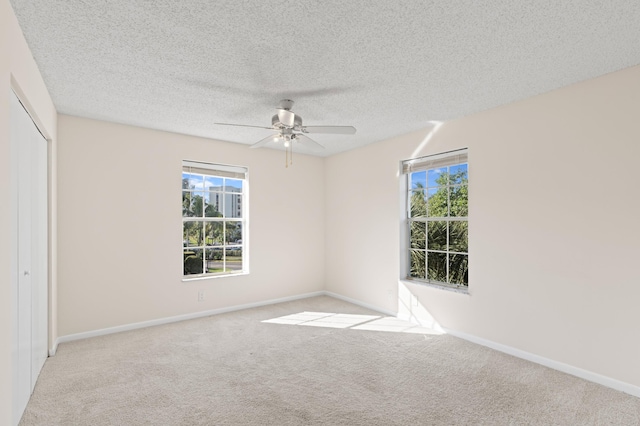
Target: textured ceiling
(385, 67)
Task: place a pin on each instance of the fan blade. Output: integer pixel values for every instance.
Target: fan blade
(309, 143)
(243, 125)
(286, 117)
(336, 130)
(263, 142)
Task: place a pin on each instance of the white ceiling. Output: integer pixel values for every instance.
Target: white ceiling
(385, 67)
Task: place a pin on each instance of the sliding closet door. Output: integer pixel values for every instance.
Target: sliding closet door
(29, 287)
(21, 354)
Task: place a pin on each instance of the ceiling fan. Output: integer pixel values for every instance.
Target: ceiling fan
(289, 129)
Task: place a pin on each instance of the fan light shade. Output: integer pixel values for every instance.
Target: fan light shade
(286, 117)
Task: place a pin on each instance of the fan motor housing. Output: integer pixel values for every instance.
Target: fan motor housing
(275, 121)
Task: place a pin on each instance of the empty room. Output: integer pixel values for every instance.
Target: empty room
(319, 213)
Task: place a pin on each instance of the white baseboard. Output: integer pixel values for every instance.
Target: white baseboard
(556, 365)
(194, 315)
(177, 318)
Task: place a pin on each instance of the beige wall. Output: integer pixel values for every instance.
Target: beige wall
(553, 241)
(18, 71)
(554, 234)
(120, 236)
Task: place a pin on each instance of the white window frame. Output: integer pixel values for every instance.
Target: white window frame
(239, 215)
(432, 162)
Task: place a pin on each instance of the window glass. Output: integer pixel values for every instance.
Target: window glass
(213, 220)
(437, 215)
(418, 180)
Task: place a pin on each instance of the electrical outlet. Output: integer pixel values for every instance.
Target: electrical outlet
(200, 295)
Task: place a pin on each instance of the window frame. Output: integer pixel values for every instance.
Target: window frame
(218, 241)
(410, 247)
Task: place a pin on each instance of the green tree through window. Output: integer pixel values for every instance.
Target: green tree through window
(213, 219)
(438, 224)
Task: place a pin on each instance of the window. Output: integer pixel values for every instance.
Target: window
(437, 219)
(214, 219)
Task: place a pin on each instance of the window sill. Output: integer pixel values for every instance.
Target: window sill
(212, 277)
(461, 290)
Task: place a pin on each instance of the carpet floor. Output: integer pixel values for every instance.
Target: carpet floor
(235, 369)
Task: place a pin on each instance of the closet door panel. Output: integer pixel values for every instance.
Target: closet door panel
(30, 264)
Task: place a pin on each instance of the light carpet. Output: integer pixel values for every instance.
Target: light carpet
(234, 369)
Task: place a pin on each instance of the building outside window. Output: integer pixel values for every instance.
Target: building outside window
(214, 219)
(437, 219)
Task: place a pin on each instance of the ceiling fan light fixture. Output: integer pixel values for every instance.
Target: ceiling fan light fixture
(289, 128)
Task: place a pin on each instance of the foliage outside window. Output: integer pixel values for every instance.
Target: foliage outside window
(213, 219)
(437, 217)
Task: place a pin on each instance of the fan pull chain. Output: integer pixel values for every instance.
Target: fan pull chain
(288, 155)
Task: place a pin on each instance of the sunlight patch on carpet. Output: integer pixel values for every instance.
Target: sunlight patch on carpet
(352, 321)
